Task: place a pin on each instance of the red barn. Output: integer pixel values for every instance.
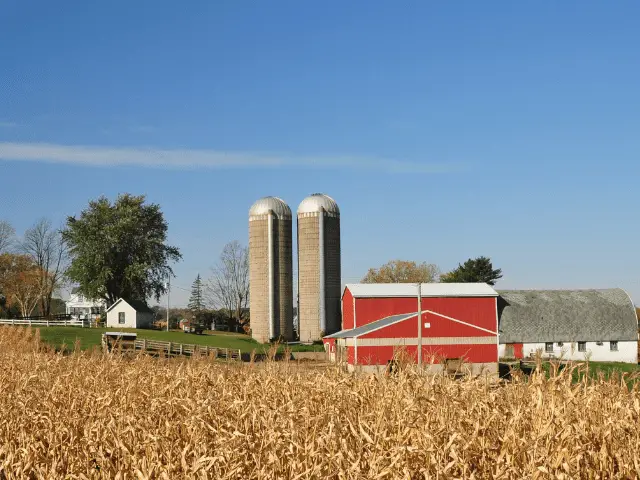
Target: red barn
(459, 322)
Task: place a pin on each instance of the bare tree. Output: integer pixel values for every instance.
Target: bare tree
(7, 233)
(46, 246)
(228, 287)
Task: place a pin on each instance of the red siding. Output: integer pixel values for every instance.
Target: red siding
(379, 355)
(371, 309)
(478, 311)
(347, 310)
(518, 350)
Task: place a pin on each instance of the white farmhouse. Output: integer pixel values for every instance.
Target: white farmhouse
(83, 308)
(129, 314)
(599, 325)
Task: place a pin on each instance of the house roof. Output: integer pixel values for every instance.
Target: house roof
(428, 290)
(536, 316)
(138, 305)
(369, 327)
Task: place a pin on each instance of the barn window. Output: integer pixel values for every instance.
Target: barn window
(548, 347)
(582, 346)
(560, 344)
(121, 317)
(613, 346)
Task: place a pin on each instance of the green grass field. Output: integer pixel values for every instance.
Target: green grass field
(606, 369)
(89, 337)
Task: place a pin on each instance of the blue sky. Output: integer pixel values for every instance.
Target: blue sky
(444, 131)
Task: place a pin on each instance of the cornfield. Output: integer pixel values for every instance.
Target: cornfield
(95, 415)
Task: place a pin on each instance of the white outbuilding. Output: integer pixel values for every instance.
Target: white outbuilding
(129, 314)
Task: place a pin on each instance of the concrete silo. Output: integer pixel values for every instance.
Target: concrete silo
(270, 270)
(319, 283)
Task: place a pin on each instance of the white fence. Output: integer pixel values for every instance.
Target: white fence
(46, 323)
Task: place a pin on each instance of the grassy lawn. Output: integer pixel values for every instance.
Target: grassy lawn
(607, 369)
(90, 337)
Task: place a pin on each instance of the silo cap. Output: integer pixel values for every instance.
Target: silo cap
(277, 205)
(313, 203)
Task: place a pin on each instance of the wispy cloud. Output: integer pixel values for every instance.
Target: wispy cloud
(104, 156)
(4, 124)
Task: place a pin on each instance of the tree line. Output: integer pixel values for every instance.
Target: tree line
(474, 270)
(112, 250)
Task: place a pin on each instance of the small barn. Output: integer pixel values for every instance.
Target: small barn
(458, 323)
(600, 325)
(129, 314)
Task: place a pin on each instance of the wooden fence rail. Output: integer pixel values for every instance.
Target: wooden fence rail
(45, 323)
(173, 349)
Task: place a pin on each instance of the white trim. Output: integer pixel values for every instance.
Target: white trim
(389, 290)
(463, 323)
(444, 341)
(116, 303)
(354, 311)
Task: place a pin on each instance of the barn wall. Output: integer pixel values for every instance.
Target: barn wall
(380, 355)
(347, 310)
(477, 311)
(371, 309)
(129, 318)
(627, 351)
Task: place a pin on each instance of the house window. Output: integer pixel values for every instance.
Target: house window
(548, 347)
(121, 317)
(613, 346)
(582, 346)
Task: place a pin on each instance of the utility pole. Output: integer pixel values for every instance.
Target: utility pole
(168, 294)
(420, 325)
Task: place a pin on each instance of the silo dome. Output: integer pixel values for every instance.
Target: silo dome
(313, 203)
(275, 204)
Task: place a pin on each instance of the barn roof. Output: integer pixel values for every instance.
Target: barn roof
(138, 305)
(428, 290)
(536, 316)
(369, 327)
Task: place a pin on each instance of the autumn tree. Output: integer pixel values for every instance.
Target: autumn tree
(119, 250)
(403, 271)
(228, 287)
(474, 270)
(7, 234)
(20, 282)
(46, 247)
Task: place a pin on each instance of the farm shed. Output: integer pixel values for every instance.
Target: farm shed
(458, 321)
(129, 314)
(573, 324)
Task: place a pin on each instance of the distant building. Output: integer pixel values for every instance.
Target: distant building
(570, 324)
(83, 308)
(129, 314)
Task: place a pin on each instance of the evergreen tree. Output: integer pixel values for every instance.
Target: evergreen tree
(196, 302)
(472, 271)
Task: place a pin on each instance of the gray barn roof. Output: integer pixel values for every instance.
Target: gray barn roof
(537, 316)
(369, 327)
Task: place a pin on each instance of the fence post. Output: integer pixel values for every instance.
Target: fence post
(47, 322)
(144, 344)
(180, 349)
(169, 349)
